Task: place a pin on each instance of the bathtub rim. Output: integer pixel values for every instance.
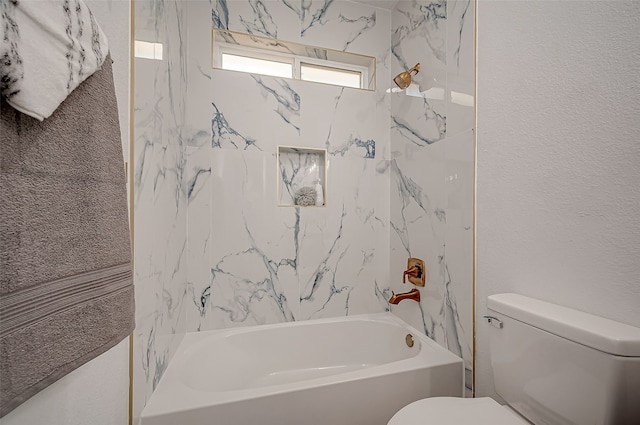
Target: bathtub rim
(184, 398)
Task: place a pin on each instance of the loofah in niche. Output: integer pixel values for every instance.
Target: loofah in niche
(306, 196)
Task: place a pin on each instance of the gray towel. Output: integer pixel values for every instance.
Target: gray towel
(66, 292)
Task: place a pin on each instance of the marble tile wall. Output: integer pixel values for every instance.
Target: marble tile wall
(251, 261)
(213, 249)
(432, 168)
(160, 194)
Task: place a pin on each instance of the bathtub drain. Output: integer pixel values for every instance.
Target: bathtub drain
(409, 340)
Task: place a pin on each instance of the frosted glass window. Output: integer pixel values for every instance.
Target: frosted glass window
(256, 65)
(268, 56)
(327, 75)
(147, 50)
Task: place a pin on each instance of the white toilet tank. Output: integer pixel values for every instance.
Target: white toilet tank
(556, 365)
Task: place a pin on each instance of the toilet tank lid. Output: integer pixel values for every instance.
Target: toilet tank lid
(596, 332)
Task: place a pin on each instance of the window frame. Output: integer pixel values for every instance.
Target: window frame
(296, 61)
(340, 66)
(250, 52)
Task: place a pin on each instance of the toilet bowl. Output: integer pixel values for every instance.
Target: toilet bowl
(456, 411)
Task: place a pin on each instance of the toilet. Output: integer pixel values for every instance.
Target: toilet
(552, 365)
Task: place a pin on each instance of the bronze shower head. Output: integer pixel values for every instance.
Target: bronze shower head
(403, 80)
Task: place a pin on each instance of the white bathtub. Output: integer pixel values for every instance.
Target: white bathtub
(342, 371)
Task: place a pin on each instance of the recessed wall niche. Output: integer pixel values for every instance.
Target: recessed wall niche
(302, 177)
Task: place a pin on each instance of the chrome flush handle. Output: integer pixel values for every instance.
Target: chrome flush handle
(494, 321)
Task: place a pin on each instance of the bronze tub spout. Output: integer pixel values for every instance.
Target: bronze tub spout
(414, 294)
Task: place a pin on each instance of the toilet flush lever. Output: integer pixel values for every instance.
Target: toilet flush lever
(494, 321)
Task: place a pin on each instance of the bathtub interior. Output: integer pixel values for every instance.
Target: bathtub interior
(287, 374)
(316, 350)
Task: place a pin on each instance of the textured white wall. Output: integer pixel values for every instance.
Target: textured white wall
(558, 174)
(97, 393)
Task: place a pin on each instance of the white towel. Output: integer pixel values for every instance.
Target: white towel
(47, 48)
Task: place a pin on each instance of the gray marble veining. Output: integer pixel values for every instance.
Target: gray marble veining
(160, 194)
(222, 134)
(431, 195)
(395, 185)
(288, 100)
